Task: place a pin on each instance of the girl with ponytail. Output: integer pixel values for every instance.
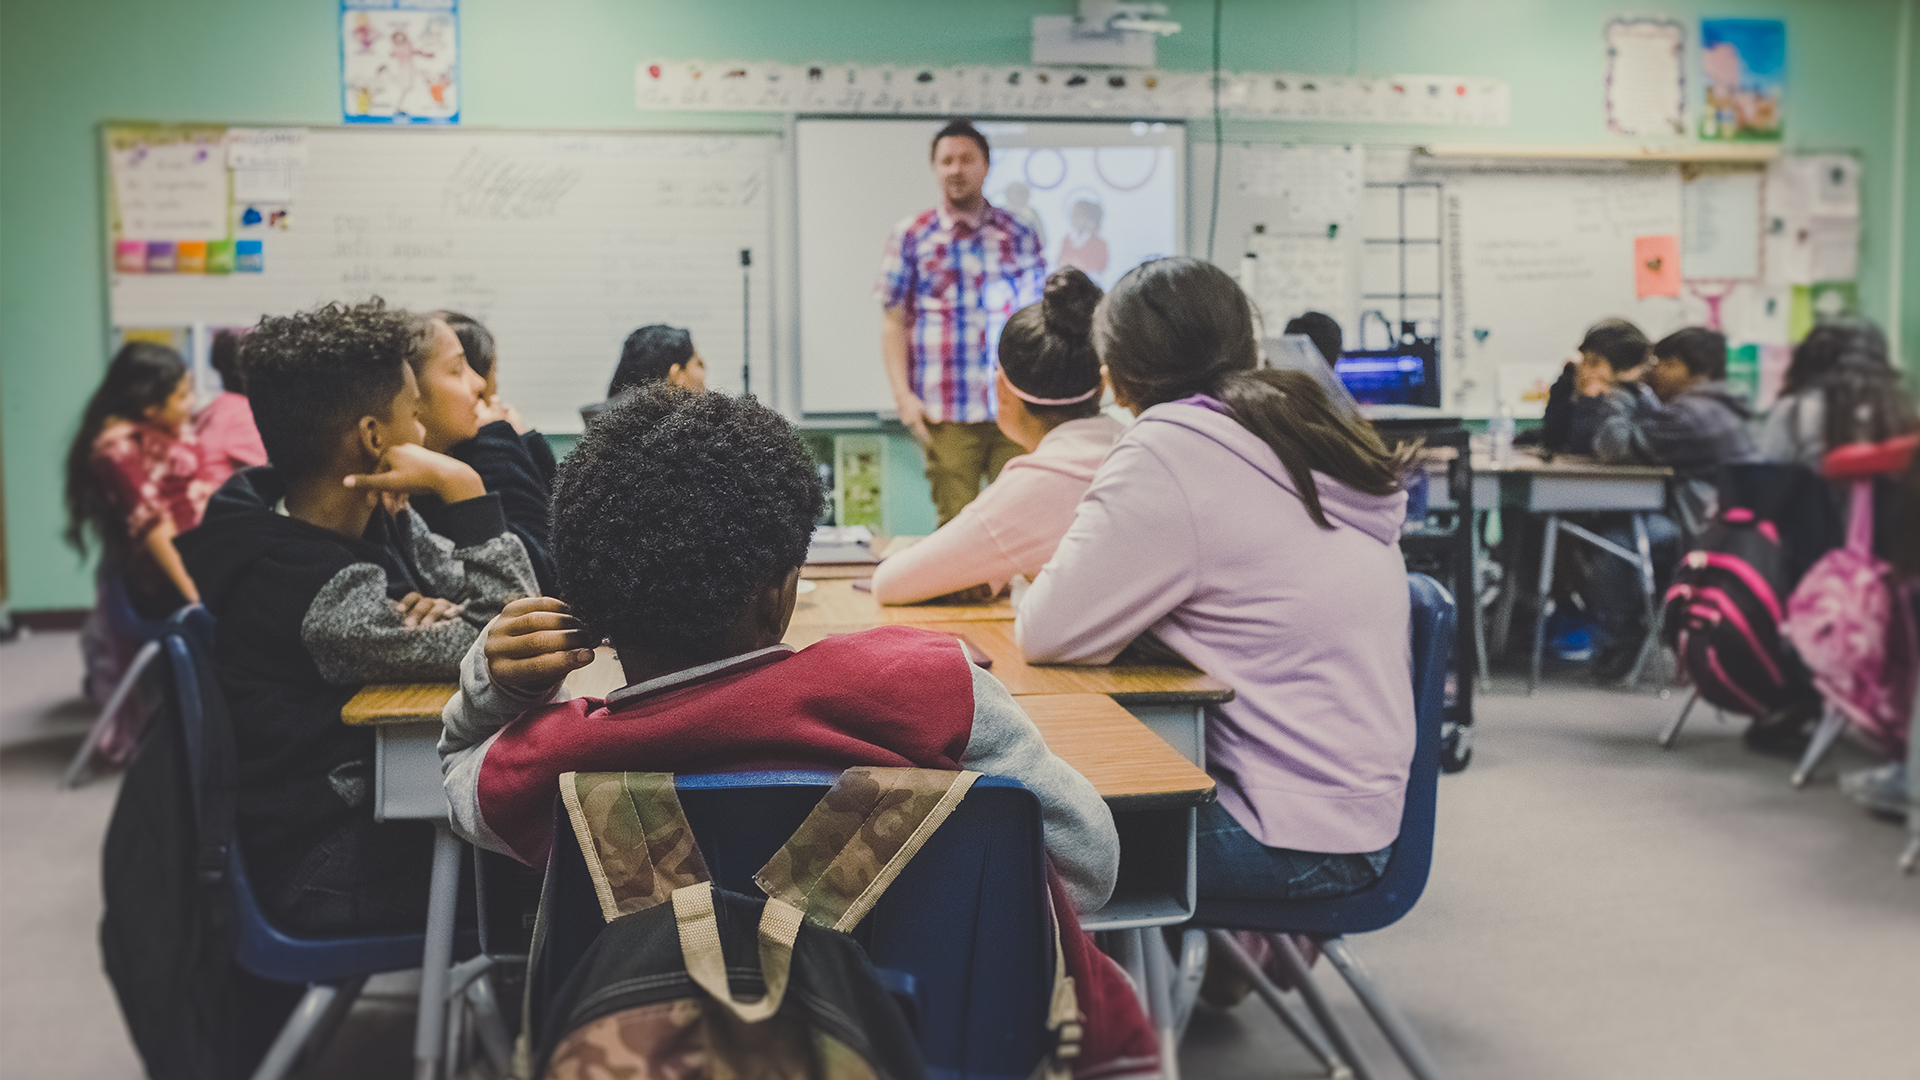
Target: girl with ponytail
(1050, 388)
(1250, 525)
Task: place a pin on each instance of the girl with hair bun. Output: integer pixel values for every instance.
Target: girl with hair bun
(1049, 384)
(1254, 528)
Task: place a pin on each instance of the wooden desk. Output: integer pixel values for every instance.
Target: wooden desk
(835, 602)
(1131, 767)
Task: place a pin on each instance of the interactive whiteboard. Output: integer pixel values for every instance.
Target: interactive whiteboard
(1104, 196)
(561, 242)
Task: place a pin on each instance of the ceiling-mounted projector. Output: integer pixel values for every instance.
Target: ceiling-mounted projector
(1105, 32)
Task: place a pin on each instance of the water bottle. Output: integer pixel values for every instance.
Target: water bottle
(1500, 428)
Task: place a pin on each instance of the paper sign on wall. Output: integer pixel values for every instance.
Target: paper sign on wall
(1656, 266)
(1646, 82)
(400, 61)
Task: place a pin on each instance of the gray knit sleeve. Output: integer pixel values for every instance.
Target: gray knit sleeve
(356, 635)
(485, 574)
(1076, 822)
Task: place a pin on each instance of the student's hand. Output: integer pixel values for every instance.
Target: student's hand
(1592, 377)
(496, 408)
(420, 612)
(534, 644)
(410, 468)
(913, 415)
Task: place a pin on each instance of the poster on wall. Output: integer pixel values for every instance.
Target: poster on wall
(400, 61)
(1646, 80)
(1744, 67)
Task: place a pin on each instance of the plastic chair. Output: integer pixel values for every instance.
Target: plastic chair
(1328, 921)
(333, 969)
(105, 739)
(961, 936)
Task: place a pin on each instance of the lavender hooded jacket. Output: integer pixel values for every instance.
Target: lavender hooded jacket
(1193, 530)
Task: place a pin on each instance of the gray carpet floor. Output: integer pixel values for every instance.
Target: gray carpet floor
(1598, 909)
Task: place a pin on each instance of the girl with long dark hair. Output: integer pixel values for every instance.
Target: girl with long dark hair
(1253, 527)
(133, 474)
(1049, 389)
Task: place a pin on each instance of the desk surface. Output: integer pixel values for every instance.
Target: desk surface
(1130, 766)
(1527, 464)
(835, 602)
(1136, 684)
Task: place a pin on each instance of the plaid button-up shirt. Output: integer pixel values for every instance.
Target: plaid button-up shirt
(958, 284)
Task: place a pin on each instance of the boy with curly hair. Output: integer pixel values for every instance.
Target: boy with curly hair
(681, 522)
(320, 581)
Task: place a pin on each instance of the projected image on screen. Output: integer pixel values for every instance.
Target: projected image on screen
(1102, 197)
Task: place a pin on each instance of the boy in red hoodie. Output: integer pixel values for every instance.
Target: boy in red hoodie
(680, 525)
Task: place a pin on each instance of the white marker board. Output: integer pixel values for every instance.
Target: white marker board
(561, 242)
(1535, 258)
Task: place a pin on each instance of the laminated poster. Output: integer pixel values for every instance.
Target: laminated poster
(1646, 77)
(1743, 63)
(400, 61)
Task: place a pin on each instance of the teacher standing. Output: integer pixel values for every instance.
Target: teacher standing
(950, 279)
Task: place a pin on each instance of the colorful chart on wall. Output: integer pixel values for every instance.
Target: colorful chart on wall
(400, 61)
(1744, 64)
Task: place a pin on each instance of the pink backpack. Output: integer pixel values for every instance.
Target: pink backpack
(1852, 625)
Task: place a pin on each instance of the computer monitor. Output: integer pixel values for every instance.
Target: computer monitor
(1407, 375)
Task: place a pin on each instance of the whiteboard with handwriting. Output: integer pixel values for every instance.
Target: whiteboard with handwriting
(562, 243)
(1534, 258)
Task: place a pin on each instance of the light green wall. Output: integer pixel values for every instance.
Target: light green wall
(67, 65)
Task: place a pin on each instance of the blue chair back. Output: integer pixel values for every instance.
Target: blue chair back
(962, 933)
(1386, 900)
(116, 605)
(260, 948)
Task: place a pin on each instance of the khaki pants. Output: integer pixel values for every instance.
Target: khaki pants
(958, 455)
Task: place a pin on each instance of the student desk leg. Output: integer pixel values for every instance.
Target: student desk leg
(1641, 559)
(407, 786)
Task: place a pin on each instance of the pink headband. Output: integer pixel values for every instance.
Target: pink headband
(1031, 400)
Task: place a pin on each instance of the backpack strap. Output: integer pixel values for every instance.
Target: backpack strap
(858, 838)
(707, 964)
(1063, 1012)
(634, 836)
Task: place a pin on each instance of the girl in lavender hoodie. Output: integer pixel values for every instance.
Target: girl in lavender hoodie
(1049, 385)
(1250, 526)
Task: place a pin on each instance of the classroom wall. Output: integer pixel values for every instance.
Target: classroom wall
(68, 65)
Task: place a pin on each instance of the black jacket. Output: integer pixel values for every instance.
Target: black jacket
(305, 618)
(518, 468)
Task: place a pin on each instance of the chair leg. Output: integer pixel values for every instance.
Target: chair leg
(1315, 1043)
(1413, 1053)
(1832, 723)
(1672, 734)
(1649, 644)
(1544, 608)
(1910, 858)
(491, 1025)
(1301, 976)
(80, 769)
(307, 1018)
(1159, 971)
(1188, 974)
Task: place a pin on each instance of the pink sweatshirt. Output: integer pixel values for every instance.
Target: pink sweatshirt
(1193, 530)
(1012, 528)
(228, 440)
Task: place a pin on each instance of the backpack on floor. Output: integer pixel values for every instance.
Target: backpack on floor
(1851, 626)
(1723, 615)
(690, 980)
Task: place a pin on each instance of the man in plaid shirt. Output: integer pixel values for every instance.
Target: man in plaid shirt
(951, 277)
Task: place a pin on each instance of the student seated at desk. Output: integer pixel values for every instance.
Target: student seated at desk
(229, 441)
(483, 356)
(1838, 389)
(1249, 525)
(1677, 411)
(1049, 386)
(462, 422)
(653, 354)
(318, 588)
(1609, 346)
(681, 521)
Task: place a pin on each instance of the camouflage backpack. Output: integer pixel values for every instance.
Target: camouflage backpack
(691, 981)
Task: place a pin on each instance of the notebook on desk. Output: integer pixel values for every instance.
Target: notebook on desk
(850, 545)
